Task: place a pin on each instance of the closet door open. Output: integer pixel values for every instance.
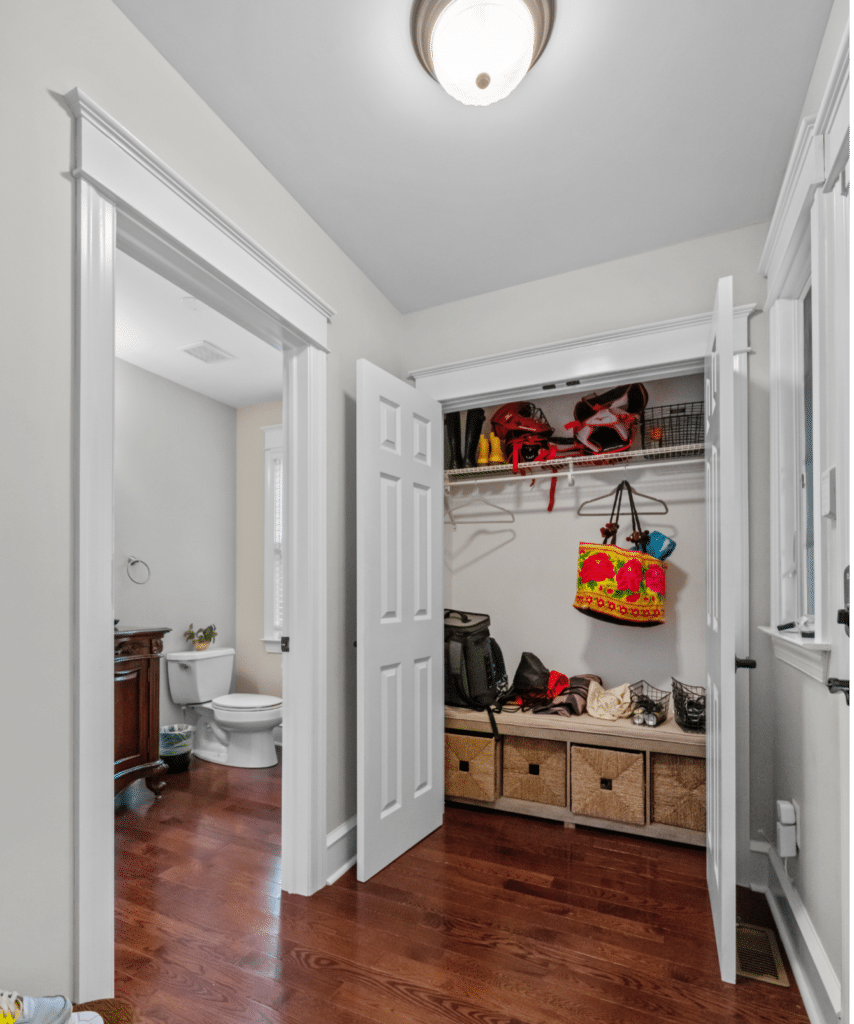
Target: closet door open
(726, 610)
(400, 618)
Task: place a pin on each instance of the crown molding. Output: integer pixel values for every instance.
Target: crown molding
(804, 172)
(832, 121)
(87, 111)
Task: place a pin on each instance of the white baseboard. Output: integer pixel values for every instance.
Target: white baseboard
(340, 850)
(817, 980)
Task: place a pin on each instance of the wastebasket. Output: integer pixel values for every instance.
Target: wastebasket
(176, 745)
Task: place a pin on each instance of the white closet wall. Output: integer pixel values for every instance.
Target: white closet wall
(523, 574)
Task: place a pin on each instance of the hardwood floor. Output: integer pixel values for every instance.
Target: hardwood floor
(493, 919)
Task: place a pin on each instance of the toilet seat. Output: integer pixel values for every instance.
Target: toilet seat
(245, 702)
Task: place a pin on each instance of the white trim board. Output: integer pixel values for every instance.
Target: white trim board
(341, 850)
(817, 980)
(594, 360)
(832, 119)
(807, 656)
(128, 198)
(818, 156)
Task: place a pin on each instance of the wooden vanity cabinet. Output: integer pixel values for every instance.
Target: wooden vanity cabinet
(137, 708)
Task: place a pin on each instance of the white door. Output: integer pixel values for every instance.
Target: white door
(726, 611)
(400, 617)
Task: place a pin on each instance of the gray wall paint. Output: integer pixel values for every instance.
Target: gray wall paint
(175, 492)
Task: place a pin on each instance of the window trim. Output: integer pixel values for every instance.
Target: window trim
(796, 258)
(273, 633)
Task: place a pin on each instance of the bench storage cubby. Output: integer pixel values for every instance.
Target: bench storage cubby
(582, 771)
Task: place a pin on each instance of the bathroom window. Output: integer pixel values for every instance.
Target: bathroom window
(274, 535)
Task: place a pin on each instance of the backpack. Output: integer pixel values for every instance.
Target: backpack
(475, 676)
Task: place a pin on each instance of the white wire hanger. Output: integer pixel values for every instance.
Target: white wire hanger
(453, 518)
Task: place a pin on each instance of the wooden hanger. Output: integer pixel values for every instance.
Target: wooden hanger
(647, 512)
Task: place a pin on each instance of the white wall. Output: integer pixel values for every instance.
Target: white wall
(660, 285)
(46, 49)
(174, 509)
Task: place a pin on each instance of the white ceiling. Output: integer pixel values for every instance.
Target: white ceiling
(642, 125)
(155, 320)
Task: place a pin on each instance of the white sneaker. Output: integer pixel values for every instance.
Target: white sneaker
(17, 1009)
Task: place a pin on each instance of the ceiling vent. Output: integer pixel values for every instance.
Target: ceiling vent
(207, 352)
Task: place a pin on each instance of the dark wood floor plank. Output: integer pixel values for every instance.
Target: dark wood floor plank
(492, 919)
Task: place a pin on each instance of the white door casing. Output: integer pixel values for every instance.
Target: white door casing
(400, 619)
(129, 199)
(726, 608)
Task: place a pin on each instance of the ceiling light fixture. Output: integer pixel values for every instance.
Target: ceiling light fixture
(480, 50)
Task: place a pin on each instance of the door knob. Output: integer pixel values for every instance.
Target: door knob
(744, 662)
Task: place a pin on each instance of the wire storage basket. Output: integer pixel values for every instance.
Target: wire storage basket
(664, 426)
(649, 702)
(689, 706)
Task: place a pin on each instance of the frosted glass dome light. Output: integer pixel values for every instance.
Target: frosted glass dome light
(480, 50)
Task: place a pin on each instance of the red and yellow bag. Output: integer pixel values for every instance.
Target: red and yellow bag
(617, 584)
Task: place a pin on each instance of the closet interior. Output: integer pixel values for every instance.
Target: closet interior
(512, 552)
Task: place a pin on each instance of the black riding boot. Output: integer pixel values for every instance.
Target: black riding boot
(474, 423)
(453, 435)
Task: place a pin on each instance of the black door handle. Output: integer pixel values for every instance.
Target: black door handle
(838, 686)
(744, 662)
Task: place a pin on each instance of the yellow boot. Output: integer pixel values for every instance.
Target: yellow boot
(482, 450)
(495, 452)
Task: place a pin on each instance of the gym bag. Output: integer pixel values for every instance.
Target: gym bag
(475, 676)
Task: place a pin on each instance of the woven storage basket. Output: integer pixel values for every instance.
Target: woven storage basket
(679, 791)
(534, 770)
(608, 784)
(471, 766)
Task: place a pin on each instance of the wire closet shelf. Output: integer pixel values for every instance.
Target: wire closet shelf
(680, 454)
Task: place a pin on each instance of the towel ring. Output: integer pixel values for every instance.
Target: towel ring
(138, 561)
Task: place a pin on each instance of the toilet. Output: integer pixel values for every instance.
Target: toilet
(235, 729)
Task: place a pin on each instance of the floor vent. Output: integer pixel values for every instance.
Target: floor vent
(758, 955)
(207, 352)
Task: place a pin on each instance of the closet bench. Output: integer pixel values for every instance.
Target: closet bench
(581, 771)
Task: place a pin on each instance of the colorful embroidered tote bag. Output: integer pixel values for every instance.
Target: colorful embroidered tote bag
(617, 584)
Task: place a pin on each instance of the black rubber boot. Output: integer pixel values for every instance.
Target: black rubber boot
(474, 423)
(454, 436)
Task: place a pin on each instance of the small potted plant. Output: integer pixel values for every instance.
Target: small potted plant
(201, 639)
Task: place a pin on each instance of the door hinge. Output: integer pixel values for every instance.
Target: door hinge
(286, 644)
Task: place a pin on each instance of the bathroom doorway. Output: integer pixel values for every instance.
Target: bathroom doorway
(128, 201)
(192, 390)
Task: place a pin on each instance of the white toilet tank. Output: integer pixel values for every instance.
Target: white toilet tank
(196, 677)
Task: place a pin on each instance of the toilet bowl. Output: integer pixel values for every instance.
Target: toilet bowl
(235, 729)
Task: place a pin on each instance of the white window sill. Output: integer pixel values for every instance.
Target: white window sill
(808, 656)
(272, 645)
